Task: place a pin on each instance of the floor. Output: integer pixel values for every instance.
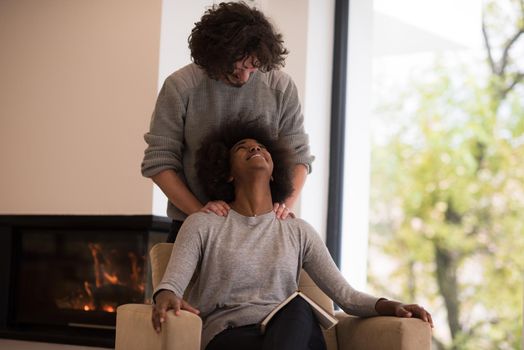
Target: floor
(8, 344)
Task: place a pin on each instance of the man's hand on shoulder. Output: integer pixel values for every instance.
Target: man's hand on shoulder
(220, 208)
(282, 211)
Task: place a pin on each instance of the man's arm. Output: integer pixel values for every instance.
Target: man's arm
(177, 192)
(291, 132)
(299, 178)
(182, 198)
(283, 210)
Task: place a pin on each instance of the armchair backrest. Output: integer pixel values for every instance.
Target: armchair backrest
(159, 257)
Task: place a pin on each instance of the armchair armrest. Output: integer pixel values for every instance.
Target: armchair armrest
(382, 333)
(134, 330)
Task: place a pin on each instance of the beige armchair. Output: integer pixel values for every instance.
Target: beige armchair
(134, 330)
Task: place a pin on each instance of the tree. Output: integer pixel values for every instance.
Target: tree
(448, 188)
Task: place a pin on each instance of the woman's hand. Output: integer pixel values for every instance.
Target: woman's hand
(166, 300)
(220, 208)
(282, 211)
(414, 310)
(394, 308)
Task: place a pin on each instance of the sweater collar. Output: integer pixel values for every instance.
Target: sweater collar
(251, 220)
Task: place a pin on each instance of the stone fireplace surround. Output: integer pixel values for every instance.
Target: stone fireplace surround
(146, 229)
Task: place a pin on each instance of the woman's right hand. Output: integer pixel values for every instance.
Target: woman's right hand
(166, 300)
(220, 208)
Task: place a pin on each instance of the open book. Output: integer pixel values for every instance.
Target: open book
(325, 318)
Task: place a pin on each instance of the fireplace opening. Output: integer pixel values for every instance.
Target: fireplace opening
(78, 280)
(65, 279)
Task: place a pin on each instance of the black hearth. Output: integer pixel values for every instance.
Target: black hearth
(62, 277)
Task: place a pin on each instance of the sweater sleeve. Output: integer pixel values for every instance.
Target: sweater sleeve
(165, 138)
(322, 269)
(184, 258)
(291, 126)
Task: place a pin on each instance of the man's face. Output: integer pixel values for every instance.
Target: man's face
(243, 70)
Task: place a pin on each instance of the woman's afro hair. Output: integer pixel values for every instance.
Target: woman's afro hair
(213, 161)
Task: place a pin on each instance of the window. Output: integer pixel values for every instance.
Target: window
(434, 170)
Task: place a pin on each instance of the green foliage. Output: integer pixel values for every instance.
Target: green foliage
(447, 198)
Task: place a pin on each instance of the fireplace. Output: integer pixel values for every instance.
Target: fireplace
(66, 275)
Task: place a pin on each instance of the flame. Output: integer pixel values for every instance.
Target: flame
(87, 288)
(108, 308)
(113, 279)
(95, 250)
(135, 271)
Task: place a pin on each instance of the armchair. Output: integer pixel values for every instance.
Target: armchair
(135, 332)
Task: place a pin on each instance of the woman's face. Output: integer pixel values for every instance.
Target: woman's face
(249, 155)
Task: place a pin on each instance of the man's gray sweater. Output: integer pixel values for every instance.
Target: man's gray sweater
(190, 105)
(248, 265)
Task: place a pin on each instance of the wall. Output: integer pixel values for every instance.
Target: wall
(79, 81)
(78, 77)
(308, 27)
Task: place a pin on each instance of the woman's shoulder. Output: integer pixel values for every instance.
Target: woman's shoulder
(302, 231)
(200, 225)
(299, 224)
(203, 219)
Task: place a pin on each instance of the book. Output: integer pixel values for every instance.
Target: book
(325, 318)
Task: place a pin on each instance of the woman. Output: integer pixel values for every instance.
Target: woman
(249, 261)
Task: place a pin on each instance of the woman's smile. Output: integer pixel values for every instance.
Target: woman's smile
(255, 155)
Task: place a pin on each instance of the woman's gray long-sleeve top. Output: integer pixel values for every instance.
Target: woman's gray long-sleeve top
(248, 265)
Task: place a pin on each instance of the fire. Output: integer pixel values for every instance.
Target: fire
(103, 267)
(117, 278)
(108, 308)
(113, 279)
(114, 276)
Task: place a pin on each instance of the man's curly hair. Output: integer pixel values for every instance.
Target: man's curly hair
(214, 168)
(230, 32)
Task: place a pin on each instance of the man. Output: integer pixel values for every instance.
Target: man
(236, 54)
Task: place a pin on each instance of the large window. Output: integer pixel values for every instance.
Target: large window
(434, 194)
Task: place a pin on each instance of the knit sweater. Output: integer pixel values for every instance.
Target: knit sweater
(248, 265)
(190, 105)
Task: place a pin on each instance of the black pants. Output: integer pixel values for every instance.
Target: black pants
(295, 327)
(173, 231)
